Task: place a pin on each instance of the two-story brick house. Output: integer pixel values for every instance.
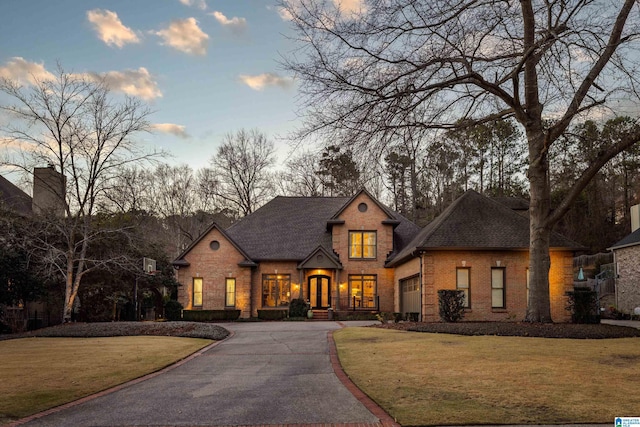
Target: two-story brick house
(356, 254)
(330, 251)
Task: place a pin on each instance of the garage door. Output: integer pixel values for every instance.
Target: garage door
(410, 295)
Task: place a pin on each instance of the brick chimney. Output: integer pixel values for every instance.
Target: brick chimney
(49, 188)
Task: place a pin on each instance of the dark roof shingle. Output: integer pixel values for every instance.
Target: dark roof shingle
(629, 240)
(14, 198)
(286, 228)
(474, 221)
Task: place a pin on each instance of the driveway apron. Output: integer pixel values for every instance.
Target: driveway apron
(267, 373)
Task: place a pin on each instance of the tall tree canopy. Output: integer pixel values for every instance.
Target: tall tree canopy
(430, 64)
(86, 136)
(241, 167)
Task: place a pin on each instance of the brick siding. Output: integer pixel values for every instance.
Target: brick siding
(439, 272)
(214, 266)
(371, 220)
(628, 280)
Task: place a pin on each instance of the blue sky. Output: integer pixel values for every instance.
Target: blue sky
(205, 67)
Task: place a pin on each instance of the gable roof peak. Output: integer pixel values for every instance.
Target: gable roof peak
(180, 261)
(355, 196)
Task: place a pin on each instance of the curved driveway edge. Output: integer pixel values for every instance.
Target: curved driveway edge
(270, 373)
(118, 387)
(362, 397)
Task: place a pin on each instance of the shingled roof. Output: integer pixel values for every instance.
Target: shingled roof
(476, 222)
(286, 228)
(290, 228)
(632, 239)
(14, 198)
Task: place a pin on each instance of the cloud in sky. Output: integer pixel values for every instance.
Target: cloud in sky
(186, 36)
(348, 7)
(200, 4)
(110, 29)
(25, 72)
(171, 128)
(138, 82)
(236, 24)
(261, 81)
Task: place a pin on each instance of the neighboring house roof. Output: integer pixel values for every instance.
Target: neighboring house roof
(632, 239)
(292, 228)
(476, 222)
(14, 198)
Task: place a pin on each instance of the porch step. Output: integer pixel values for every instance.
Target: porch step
(320, 314)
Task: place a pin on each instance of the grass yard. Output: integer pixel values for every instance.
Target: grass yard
(41, 373)
(428, 379)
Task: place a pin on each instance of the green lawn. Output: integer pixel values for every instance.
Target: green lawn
(41, 373)
(428, 379)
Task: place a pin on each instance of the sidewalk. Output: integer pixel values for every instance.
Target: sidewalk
(628, 323)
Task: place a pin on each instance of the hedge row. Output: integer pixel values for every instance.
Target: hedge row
(209, 315)
(273, 314)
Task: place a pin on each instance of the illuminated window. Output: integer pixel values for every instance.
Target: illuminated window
(362, 244)
(230, 292)
(276, 290)
(463, 284)
(197, 291)
(362, 291)
(497, 288)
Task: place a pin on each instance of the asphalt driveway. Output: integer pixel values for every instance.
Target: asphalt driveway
(267, 373)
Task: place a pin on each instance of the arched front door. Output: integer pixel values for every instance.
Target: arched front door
(319, 291)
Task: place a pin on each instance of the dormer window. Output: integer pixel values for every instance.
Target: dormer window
(362, 244)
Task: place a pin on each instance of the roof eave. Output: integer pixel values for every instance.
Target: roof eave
(181, 263)
(247, 263)
(332, 222)
(627, 245)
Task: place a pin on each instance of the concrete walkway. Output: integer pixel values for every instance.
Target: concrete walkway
(628, 323)
(266, 373)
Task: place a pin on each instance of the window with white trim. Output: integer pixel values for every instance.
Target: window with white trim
(197, 291)
(498, 289)
(463, 283)
(230, 292)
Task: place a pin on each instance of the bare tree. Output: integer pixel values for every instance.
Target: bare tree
(129, 191)
(241, 165)
(77, 128)
(300, 178)
(546, 64)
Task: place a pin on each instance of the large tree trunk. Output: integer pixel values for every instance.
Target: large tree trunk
(538, 309)
(68, 292)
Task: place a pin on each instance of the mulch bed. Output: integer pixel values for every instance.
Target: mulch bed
(215, 332)
(115, 329)
(519, 329)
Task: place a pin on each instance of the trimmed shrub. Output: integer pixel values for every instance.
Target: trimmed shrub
(583, 305)
(451, 303)
(172, 310)
(356, 316)
(272, 314)
(412, 316)
(397, 317)
(210, 315)
(298, 308)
